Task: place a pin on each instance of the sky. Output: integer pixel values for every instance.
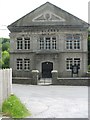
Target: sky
(12, 10)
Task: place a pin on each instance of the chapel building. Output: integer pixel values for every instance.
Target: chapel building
(46, 39)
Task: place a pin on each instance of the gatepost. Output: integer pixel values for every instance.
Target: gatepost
(54, 77)
(35, 75)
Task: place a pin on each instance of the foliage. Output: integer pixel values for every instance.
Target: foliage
(14, 108)
(6, 46)
(5, 57)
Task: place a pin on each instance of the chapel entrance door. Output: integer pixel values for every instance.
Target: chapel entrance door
(47, 67)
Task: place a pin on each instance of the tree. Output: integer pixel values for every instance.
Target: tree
(5, 46)
(5, 59)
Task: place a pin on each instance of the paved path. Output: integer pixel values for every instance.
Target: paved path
(54, 101)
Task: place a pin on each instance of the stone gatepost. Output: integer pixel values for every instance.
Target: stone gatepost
(35, 75)
(54, 77)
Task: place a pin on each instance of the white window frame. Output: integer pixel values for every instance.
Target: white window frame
(73, 41)
(26, 64)
(19, 64)
(19, 43)
(26, 43)
(48, 43)
(72, 61)
(54, 45)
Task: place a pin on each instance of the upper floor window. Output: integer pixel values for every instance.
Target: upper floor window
(27, 43)
(69, 44)
(19, 43)
(54, 43)
(19, 64)
(73, 41)
(23, 43)
(47, 43)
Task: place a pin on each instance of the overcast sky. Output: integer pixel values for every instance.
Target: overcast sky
(11, 10)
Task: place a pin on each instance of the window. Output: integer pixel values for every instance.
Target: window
(77, 62)
(27, 43)
(69, 62)
(54, 43)
(41, 43)
(19, 43)
(26, 64)
(19, 64)
(48, 46)
(69, 44)
(76, 44)
(47, 43)
(73, 41)
(72, 61)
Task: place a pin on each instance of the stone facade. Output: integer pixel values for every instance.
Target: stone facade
(47, 39)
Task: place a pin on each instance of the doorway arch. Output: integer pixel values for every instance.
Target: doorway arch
(47, 67)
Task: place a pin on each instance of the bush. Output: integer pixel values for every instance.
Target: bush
(13, 107)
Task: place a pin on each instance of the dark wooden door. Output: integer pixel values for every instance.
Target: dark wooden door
(47, 67)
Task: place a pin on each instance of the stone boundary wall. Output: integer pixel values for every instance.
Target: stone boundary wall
(73, 81)
(21, 80)
(77, 81)
(5, 84)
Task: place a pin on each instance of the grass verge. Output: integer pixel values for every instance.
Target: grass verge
(14, 108)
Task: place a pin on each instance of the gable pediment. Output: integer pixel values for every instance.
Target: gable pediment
(48, 16)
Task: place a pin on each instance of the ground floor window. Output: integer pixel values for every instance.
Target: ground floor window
(23, 64)
(72, 61)
(19, 64)
(26, 64)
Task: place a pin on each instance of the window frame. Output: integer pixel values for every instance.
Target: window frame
(74, 61)
(73, 42)
(26, 64)
(19, 63)
(19, 43)
(26, 43)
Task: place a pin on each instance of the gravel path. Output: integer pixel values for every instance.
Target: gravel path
(54, 101)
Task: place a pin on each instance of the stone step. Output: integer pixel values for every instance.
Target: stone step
(45, 81)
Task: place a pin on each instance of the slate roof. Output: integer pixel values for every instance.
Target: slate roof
(48, 14)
